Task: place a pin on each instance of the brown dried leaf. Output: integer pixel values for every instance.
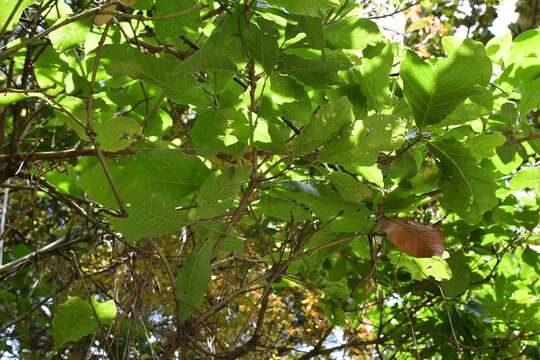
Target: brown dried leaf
(413, 238)
(101, 19)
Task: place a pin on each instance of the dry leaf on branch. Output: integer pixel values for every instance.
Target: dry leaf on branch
(413, 238)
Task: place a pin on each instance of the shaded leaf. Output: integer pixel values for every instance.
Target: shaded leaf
(529, 97)
(152, 184)
(324, 124)
(469, 189)
(261, 43)
(72, 321)
(169, 29)
(375, 70)
(499, 47)
(193, 279)
(217, 193)
(317, 71)
(298, 7)
(353, 33)
(360, 143)
(182, 88)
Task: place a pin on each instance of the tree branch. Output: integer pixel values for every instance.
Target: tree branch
(531, 136)
(47, 250)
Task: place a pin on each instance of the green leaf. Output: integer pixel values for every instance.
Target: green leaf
(75, 114)
(112, 133)
(169, 29)
(142, 4)
(70, 35)
(529, 97)
(349, 188)
(152, 184)
(451, 44)
(106, 311)
(371, 173)
(423, 268)
(53, 71)
(525, 45)
(217, 193)
(324, 124)
(314, 30)
(281, 209)
(469, 189)
(193, 279)
(206, 60)
(218, 131)
(226, 39)
(117, 133)
(433, 92)
(317, 71)
(11, 11)
(361, 143)
(261, 43)
(298, 7)
(375, 70)
(483, 146)
(353, 33)
(498, 48)
(526, 178)
(341, 216)
(461, 278)
(72, 321)
(182, 88)
(418, 24)
(523, 64)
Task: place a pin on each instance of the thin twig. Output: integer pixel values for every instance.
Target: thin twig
(30, 40)
(406, 7)
(153, 18)
(90, 127)
(528, 137)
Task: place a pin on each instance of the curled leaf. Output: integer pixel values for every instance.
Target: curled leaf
(413, 238)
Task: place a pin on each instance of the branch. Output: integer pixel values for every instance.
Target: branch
(406, 7)
(90, 128)
(46, 32)
(252, 342)
(60, 155)
(153, 18)
(36, 306)
(388, 159)
(47, 250)
(531, 136)
(10, 17)
(355, 343)
(237, 212)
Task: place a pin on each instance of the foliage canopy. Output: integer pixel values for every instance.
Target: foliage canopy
(204, 179)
